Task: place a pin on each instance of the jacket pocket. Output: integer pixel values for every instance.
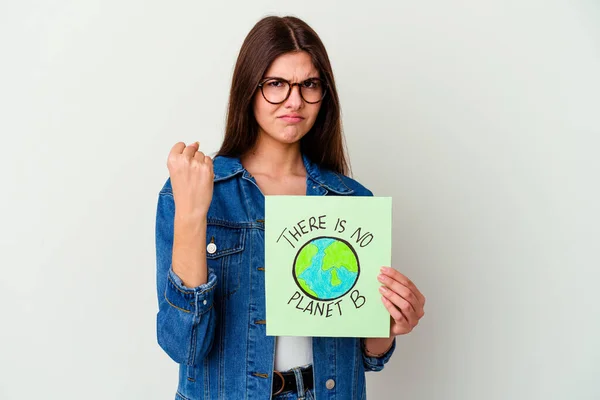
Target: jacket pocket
(224, 251)
(179, 396)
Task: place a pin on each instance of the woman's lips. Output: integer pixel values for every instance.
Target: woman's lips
(291, 119)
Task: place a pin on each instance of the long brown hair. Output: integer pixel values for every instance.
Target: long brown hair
(269, 38)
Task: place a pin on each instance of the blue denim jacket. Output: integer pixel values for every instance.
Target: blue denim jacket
(216, 331)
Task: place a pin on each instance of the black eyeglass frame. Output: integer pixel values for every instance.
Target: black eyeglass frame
(291, 86)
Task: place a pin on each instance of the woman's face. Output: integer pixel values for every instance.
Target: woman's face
(289, 121)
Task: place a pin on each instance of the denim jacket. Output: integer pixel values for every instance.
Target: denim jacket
(216, 332)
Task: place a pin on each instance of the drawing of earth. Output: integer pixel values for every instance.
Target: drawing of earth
(326, 268)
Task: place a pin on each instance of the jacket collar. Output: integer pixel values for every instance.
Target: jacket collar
(227, 167)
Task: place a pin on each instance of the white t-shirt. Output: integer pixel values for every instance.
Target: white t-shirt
(292, 351)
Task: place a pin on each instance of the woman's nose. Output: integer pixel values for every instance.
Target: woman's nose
(295, 98)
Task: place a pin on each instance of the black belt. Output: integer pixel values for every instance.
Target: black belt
(286, 381)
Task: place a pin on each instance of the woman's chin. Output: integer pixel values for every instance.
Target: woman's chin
(289, 136)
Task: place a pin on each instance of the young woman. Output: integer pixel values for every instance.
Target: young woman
(283, 137)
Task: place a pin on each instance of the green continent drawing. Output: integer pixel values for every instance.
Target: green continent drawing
(326, 268)
(339, 254)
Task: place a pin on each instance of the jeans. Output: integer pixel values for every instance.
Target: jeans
(300, 393)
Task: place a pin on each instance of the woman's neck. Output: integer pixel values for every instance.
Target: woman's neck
(274, 159)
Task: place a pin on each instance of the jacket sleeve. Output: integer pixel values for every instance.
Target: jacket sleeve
(185, 322)
(377, 363)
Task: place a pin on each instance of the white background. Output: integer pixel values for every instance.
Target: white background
(480, 119)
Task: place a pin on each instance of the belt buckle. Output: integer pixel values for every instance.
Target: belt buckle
(282, 382)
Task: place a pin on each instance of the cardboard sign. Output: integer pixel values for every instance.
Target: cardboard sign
(323, 255)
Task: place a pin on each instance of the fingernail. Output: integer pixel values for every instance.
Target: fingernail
(383, 289)
(384, 269)
(381, 278)
(198, 143)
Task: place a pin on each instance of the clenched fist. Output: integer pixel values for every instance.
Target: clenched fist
(192, 177)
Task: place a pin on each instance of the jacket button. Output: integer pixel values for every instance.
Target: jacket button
(330, 384)
(211, 248)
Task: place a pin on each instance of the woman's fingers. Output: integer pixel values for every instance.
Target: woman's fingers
(403, 279)
(199, 156)
(192, 175)
(401, 291)
(402, 299)
(395, 313)
(403, 306)
(190, 150)
(176, 150)
(400, 284)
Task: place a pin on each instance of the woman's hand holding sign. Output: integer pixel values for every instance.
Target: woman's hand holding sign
(405, 304)
(402, 299)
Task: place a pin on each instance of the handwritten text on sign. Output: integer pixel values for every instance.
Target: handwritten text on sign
(326, 268)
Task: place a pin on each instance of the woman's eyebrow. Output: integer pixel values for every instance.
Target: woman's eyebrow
(279, 77)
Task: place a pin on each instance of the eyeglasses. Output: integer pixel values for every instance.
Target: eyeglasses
(277, 90)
